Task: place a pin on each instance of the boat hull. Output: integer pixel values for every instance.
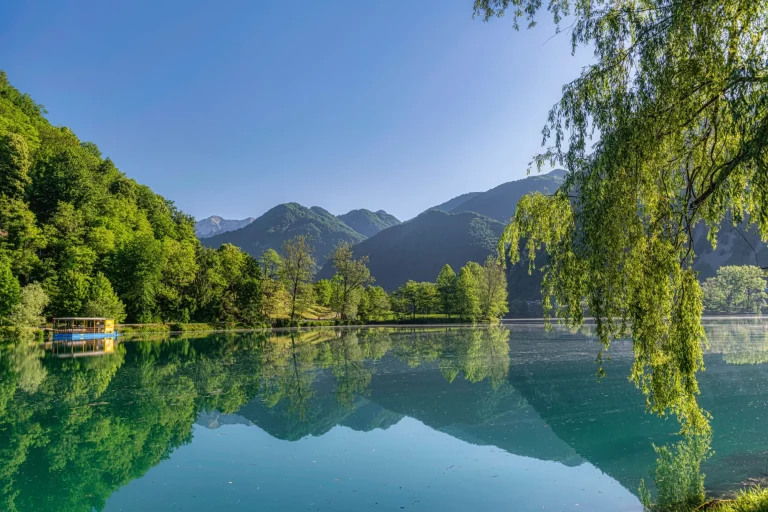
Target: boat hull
(79, 336)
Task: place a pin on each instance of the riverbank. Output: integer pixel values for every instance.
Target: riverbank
(754, 499)
(281, 323)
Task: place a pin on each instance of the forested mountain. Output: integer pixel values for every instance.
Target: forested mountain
(369, 223)
(500, 202)
(215, 225)
(455, 202)
(418, 249)
(284, 222)
(80, 238)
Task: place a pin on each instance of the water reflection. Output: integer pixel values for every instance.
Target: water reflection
(73, 431)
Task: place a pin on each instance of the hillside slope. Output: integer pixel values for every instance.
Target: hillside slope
(97, 242)
(455, 202)
(369, 223)
(500, 202)
(419, 248)
(284, 222)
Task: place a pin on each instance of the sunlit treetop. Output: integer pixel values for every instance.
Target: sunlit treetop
(667, 129)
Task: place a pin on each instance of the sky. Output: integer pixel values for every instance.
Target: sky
(230, 108)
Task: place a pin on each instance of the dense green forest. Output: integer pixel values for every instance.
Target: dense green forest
(80, 238)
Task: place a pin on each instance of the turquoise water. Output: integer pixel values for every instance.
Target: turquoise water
(504, 418)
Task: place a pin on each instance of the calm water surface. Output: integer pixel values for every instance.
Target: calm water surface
(503, 418)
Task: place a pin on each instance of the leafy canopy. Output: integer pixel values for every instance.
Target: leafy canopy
(678, 94)
(736, 289)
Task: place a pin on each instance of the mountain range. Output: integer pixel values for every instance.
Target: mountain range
(464, 228)
(419, 248)
(285, 221)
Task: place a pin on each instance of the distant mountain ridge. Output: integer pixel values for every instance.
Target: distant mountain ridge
(457, 201)
(464, 228)
(369, 223)
(215, 225)
(500, 202)
(418, 249)
(284, 222)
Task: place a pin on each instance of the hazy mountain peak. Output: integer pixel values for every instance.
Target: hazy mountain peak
(215, 225)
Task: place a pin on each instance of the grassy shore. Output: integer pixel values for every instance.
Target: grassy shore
(749, 500)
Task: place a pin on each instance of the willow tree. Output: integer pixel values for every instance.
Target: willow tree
(668, 129)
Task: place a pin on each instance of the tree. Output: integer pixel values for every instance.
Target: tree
(272, 287)
(493, 289)
(677, 96)
(29, 311)
(72, 292)
(427, 298)
(446, 288)
(68, 215)
(137, 274)
(10, 291)
(374, 303)
(467, 299)
(271, 263)
(297, 271)
(249, 293)
(353, 274)
(323, 292)
(736, 289)
(103, 301)
(14, 165)
(405, 299)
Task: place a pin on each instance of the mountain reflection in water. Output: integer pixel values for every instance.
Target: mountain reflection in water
(82, 434)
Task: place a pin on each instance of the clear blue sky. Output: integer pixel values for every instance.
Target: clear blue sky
(230, 108)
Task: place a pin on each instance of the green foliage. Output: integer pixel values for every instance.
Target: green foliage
(9, 289)
(29, 310)
(14, 165)
(736, 289)
(754, 499)
(103, 301)
(468, 294)
(297, 271)
(374, 304)
(352, 275)
(493, 289)
(678, 477)
(678, 95)
(416, 299)
(72, 291)
(323, 292)
(95, 239)
(446, 288)
(272, 287)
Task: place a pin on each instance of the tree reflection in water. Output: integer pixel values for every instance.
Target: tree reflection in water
(72, 431)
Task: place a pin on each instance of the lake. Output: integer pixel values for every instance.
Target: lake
(501, 418)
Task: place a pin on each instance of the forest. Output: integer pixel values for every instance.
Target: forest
(80, 238)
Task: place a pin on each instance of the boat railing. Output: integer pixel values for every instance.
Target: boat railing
(78, 330)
